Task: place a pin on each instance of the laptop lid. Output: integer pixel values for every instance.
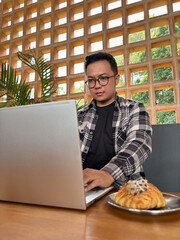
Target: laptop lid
(40, 158)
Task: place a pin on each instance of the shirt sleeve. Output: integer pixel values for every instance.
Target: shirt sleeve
(135, 149)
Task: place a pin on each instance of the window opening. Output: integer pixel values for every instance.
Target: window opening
(133, 1)
(137, 36)
(162, 73)
(114, 4)
(158, 11)
(78, 86)
(62, 89)
(136, 17)
(62, 71)
(166, 117)
(164, 96)
(137, 57)
(139, 77)
(161, 50)
(141, 96)
(78, 67)
(176, 6)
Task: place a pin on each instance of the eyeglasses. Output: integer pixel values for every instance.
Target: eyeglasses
(102, 80)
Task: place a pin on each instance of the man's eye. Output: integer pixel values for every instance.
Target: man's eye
(90, 80)
(103, 78)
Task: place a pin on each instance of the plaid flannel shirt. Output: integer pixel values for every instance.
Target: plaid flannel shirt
(131, 135)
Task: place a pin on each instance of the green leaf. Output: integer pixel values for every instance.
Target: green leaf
(18, 93)
(44, 71)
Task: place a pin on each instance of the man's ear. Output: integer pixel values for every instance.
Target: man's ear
(117, 79)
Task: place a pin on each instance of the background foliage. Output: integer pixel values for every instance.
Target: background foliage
(17, 91)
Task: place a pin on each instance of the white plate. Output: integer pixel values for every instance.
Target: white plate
(173, 204)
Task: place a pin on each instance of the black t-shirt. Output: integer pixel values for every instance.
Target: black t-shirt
(102, 147)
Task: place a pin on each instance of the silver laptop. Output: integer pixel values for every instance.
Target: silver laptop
(40, 158)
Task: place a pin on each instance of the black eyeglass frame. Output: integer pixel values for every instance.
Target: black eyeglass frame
(97, 80)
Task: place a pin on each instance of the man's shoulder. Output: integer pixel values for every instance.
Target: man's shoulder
(85, 111)
(124, 102)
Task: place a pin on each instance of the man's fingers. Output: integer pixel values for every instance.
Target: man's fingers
(91, 186)
(88, 177)
(94, 178)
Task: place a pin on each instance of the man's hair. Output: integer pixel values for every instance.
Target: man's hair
(100, 56)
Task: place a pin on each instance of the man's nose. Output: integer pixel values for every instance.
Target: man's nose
(97, 84)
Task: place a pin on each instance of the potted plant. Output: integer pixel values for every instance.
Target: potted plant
(17, 91)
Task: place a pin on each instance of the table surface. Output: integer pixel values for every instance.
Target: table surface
(99, 221)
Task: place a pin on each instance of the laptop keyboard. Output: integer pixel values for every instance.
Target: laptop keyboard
(93, 191)
(93, 194)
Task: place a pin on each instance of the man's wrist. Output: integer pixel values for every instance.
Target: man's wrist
(111, 179)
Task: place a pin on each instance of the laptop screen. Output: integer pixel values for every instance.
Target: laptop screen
(40, 155)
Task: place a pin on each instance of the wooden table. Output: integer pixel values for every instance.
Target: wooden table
(99, 221)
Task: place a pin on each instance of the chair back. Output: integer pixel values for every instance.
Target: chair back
(162, 168)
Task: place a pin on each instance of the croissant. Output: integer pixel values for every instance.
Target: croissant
(139, 194)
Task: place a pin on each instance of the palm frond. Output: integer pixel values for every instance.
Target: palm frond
(80, 104)
(17, 93)
(44, 71)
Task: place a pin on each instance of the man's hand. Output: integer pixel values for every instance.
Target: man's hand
(97, 178)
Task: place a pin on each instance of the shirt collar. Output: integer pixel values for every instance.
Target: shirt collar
(93, 102)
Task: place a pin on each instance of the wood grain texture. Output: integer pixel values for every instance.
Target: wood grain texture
(99, 222)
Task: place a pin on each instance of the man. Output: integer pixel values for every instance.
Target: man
(115, 133)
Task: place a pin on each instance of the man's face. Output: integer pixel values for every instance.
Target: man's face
(104, 95)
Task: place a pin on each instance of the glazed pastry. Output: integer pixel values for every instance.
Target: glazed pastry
(139, 194)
